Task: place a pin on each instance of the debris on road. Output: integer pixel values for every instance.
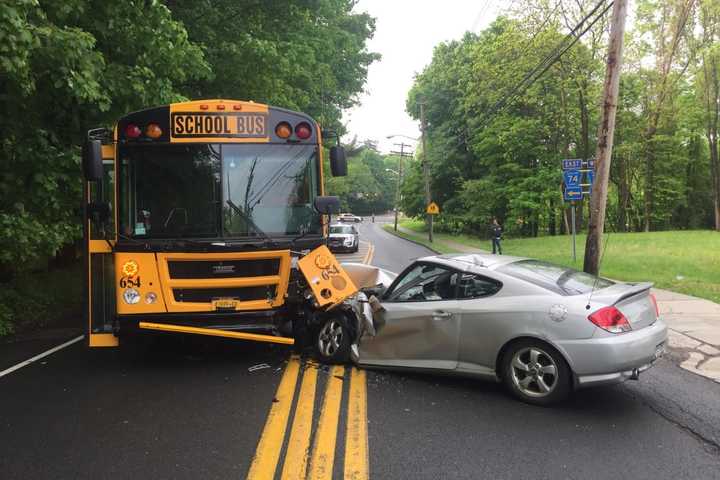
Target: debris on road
(259, 366)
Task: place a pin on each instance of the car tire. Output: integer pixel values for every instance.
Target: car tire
(536, 373)
(333, 339)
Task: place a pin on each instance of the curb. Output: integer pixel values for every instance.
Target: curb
(393, 233)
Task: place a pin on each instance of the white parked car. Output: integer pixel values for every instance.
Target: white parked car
(349, 217)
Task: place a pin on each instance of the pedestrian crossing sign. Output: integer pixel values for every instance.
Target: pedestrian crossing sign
(433, 209)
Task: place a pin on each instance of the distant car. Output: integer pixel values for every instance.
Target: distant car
(343, 238)
(541, 329)
(349, 217)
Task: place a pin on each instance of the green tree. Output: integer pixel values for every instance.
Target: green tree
(307, 55)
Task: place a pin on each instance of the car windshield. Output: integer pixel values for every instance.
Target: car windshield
(562, 280)
(341, 229)
(213, 190)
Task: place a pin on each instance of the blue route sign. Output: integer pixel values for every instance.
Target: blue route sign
(572, 164)
(572, 178)
(590, 177)
(572, 193)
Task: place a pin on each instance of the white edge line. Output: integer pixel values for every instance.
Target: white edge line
(42, 355)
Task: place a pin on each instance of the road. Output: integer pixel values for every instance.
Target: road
(192, 409)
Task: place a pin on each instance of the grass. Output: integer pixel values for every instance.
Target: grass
(685, 261)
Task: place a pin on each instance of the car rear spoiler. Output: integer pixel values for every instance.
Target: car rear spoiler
(634, 289)
(615, 294)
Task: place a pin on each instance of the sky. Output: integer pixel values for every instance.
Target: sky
(406, 32)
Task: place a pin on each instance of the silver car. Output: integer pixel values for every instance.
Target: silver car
(542, 329)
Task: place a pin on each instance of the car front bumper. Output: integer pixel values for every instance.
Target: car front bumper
(606, 360)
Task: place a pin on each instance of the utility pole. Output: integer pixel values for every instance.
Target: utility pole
(426, 170)
(402, 154)
(606, 131)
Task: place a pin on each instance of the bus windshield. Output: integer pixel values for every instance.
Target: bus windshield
(218, 191)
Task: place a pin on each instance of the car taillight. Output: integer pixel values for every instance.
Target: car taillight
(654, 301)
(610, 319)
(303, 131)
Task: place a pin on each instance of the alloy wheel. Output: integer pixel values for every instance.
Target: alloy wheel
(330, 338)
(534, 372)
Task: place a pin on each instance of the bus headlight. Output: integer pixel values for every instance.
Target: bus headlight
(150, 298)
(131, 296)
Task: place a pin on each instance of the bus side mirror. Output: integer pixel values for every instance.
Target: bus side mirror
(92, 160)
(327, 205)
(338, 162)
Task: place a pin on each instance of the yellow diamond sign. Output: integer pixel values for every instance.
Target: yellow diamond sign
(433, 209)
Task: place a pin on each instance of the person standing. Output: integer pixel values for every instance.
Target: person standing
(496, 235)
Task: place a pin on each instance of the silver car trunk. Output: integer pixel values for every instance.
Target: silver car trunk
(633, 300)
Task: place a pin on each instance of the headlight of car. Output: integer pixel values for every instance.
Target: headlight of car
(349, 242)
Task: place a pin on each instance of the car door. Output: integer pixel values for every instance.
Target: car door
(419, 324)
(488, 320)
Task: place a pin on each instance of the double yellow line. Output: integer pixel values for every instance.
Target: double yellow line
(310, 452)
(370, 253)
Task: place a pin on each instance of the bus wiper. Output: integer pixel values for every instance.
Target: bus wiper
(268, 240)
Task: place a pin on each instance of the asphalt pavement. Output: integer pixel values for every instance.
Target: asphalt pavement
(196, 408)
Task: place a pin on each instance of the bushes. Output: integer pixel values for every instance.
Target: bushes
(40, 299)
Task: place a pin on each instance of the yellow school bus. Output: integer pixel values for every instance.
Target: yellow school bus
(208, 217)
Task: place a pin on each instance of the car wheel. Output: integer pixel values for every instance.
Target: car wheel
(536, 373)
(333, 340)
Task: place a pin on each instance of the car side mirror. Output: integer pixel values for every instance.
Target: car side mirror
(92, 160)
(338, 162)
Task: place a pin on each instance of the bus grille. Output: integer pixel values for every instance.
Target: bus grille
(192, 282)
(207, 295)
(224, 268)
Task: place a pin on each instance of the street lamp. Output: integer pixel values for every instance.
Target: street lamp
(401, 135)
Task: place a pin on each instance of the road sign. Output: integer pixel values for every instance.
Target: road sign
(578, 163)
(590, 177)
(572, 178)
(433, 209)
(572, 163)
(572, 193)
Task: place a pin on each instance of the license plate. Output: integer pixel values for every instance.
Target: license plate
(659, 351)
(225, 304)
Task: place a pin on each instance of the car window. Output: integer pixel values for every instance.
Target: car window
(476, 286)
(341, 229)
(556, 278)
(425, 283)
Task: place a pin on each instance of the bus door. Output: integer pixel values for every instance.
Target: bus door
(99, 237)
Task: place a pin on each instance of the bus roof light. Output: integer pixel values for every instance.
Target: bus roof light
(220, 106)
(237, 107)
(132, 131)
(303, 130)
(153, 130)
(203, 107)
(283, 130)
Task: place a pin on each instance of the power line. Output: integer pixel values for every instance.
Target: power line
(546, 63)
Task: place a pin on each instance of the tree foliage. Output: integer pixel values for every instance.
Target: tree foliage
(69, 66)
(505, 162)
